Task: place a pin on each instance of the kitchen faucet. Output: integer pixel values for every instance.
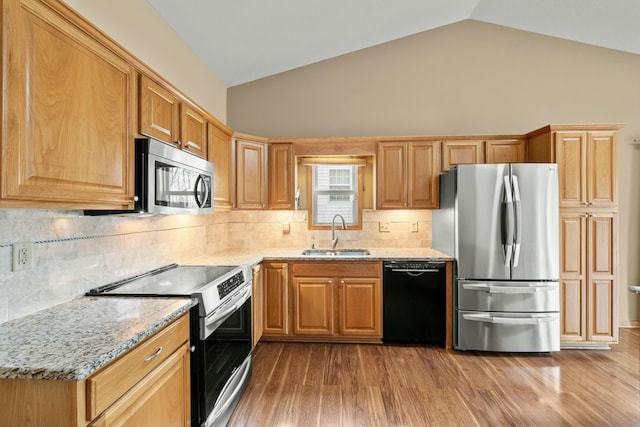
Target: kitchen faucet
(334, 235)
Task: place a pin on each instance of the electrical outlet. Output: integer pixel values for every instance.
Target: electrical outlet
(384, 227)
(414, 227)
(22, 255)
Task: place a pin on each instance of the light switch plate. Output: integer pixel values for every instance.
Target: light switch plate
(414, 227)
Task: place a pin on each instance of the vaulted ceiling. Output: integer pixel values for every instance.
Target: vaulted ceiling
(245, 40)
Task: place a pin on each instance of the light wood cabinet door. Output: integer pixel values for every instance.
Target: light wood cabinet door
(391, 175)
(312, 306)
(571, 156)
(573, 274)
(161, 399)
(159, 111)
(602, 293)
(360, 307)
(588, 278)
(276, 298)
(193, 131)
(67, 116)
(220, 153)
(505, 151)
(257, 305)
(407, 175)
(251, 174)
(602, 169)
(462, 152)
(423, 172)
(281, 176)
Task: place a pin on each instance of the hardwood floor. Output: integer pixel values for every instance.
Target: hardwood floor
(300, 384)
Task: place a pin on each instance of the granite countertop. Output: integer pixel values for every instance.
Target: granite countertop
(72, 340)
(255, 256)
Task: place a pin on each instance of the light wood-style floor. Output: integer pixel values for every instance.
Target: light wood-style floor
(301, 384)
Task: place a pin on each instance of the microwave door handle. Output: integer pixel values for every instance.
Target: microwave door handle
(206, 191)
(199, 180)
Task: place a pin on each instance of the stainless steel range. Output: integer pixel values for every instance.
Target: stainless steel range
(220, 330)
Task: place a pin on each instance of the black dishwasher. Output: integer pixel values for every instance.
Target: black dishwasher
(414, 301)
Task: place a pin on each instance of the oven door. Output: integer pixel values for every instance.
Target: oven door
(223, 367)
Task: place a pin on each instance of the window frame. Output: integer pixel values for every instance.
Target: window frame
(310, 199)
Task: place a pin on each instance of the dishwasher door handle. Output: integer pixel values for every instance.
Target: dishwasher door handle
(409, 270)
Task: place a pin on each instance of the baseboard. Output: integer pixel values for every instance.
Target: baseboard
(632, 324)
(584, 346)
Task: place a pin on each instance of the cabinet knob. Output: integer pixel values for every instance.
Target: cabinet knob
(341, 282)
(178, 143)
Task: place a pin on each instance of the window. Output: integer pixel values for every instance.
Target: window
(335, 191)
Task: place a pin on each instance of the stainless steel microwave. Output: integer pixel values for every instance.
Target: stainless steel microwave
(168, 181)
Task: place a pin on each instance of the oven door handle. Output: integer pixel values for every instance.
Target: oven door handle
(216, 317)
(219, 317)
(236, 380)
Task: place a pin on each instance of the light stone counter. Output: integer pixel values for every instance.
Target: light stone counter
(70, 341)
(255, 256)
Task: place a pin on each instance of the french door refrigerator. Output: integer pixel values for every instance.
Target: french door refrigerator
(500, 223)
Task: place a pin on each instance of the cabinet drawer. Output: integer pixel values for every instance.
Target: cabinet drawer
(337, 269)
(106, 386)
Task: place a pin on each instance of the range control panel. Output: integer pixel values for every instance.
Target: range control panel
(229, 285)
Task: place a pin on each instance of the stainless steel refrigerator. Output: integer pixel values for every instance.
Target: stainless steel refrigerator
(500, 223)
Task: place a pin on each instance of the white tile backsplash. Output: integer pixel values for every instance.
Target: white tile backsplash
(73, 253)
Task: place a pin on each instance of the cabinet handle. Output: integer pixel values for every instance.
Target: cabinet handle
(154, 355)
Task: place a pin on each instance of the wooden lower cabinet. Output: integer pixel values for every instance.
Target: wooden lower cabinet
(313, 306)
(336, 300)
(150, 385)
(275, 298)
(257, 305)
(587, 278)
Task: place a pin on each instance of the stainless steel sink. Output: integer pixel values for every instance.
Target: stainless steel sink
(335, 252)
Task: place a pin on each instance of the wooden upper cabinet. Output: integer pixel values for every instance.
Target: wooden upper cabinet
(407, 175)
(159, 111)
(587, 165)
(281, 176)
(505, 151)
(602, 169)
(193, 131)
(462, 152)
(68, 99)
(220, 153)
(423, 172)
(251, 174)
(391, 175)
(165, 117)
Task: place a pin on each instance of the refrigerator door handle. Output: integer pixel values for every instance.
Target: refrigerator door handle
(496, 289)
(518, 213)
(508, 320)
(507, 222)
